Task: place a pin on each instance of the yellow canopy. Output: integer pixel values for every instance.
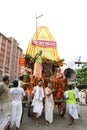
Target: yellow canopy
(45, 42)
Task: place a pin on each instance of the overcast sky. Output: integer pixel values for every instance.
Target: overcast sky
(66, 20)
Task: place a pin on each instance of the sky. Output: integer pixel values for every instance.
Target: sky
(66, 20)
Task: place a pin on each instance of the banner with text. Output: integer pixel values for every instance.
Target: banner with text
(43, 43)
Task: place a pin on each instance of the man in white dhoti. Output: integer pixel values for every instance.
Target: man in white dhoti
(78, 99)
(16, 113)
(37, 103)
(49, 104)
(71, 97)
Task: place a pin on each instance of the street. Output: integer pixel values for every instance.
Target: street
(59, 123)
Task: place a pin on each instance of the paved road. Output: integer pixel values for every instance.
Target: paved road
(59, 123)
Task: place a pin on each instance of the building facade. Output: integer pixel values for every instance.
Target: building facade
(10, 52)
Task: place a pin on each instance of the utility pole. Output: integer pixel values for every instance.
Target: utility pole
(37, 17)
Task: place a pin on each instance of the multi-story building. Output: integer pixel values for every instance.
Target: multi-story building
(10, 52)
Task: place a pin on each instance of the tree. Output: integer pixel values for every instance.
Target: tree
(82, 75)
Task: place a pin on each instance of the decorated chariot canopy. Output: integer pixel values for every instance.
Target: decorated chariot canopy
(43, 41)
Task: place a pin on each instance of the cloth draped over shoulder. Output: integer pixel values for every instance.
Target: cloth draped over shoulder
(5, 99)
(37, 102)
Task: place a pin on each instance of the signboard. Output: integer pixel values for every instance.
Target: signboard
(42, 43)
(22, 62)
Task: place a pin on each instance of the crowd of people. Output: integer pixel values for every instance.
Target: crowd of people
(11, 102)
(44, 94)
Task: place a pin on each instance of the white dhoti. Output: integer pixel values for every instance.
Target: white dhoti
(78, 107)
(37, 108)
(16, 113)
(72, 108)
(37, 102)
(49, 106)
(83, 101)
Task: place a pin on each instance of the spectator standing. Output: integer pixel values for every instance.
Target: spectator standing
(5, 100)
(16, 113)
(78, 99)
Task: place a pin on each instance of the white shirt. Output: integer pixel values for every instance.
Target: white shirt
(17, 93)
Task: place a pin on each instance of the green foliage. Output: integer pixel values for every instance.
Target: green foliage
(28, 59)
(82, 75)
(27, 56)
(27, 77)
